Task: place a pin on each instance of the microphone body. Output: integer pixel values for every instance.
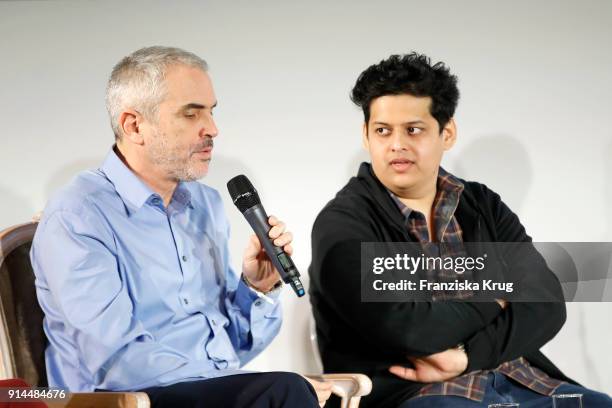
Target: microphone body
(247, 201)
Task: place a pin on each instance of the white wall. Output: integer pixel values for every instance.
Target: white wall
(533, 118)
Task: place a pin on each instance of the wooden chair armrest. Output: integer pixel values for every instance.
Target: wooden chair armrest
(349, 387)
(103, 400)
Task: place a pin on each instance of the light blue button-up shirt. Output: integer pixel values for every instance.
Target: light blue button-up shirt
(137, 295)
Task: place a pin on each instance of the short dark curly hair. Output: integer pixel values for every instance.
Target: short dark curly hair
(411, 74)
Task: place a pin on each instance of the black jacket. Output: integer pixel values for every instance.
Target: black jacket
(356, 336)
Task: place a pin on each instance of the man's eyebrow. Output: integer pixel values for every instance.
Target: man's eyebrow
(412, 122)
(197, 106)
(415, 122)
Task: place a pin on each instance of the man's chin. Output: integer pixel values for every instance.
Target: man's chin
(407, 178)
(401, 182)
(197, 172)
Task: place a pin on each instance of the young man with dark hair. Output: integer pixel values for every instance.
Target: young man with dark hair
(437, 353)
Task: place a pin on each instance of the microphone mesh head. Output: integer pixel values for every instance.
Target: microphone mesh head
(242, 192)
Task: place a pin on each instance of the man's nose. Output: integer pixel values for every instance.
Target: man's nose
(399, 141)
(210, 128)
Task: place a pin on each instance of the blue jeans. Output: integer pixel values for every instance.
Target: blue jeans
(501, 389)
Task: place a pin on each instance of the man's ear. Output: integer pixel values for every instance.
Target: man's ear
(449, 134)
(130, 122)
(365, 142)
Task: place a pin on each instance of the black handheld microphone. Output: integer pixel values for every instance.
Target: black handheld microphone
(247, 200)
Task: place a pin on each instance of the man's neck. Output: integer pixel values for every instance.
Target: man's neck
(158, 183)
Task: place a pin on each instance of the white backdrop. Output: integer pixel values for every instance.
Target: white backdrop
(533, 116)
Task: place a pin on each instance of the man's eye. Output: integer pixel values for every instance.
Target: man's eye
(414, 130)
(382, 131)
(190, 115)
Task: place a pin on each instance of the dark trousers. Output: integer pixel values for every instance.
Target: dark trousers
(257, 390)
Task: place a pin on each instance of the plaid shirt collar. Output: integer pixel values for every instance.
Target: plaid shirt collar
(448, 193)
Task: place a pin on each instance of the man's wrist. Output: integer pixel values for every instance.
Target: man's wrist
(264, 291)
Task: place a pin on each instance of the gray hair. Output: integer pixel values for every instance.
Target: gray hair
(137, 81)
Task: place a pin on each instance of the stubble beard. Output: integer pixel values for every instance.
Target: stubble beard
(173, 160)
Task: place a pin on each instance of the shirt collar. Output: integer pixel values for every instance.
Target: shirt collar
(133, 191)
(446, 182)
(181, 197)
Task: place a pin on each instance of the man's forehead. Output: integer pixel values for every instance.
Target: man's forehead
(189, 85)
(407, 107)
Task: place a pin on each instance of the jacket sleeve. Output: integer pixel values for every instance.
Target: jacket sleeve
(523, 327)
(415, 328)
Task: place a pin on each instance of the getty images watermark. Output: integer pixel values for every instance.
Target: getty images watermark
(484, 271)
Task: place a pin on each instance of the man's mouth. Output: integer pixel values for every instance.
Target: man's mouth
(401, 164)
(205, 153)
(205, 148)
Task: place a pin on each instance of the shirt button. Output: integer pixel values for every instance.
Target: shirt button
(214, 322)
(184, 258)
(186, 301)
(258, 303)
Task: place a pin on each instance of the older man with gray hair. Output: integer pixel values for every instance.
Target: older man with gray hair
(132, 262)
